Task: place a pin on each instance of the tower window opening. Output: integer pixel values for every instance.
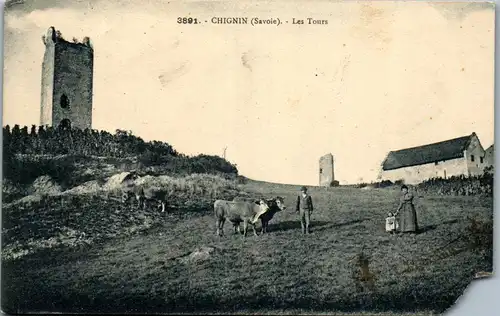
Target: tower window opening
(65, 124)
(64, 101)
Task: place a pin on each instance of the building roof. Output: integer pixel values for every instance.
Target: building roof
(445, 150)
(490, 149)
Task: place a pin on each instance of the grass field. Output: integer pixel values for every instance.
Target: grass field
(348, 263)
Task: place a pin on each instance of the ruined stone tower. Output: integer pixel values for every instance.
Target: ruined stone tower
(326, 171)
(67, 74)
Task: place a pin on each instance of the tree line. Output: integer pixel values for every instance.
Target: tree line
(459, 185)
(456, 185)
(90, 142)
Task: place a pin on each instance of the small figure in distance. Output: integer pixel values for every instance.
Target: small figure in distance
(391, 224)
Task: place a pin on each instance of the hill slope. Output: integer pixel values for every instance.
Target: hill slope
(180, 265)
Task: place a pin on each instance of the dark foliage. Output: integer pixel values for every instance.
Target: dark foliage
(181, 164)
(477, 185)
(51, 141)
(25, 171)
(381, 184)
(384, 184)
(84, 143)
(460, 185)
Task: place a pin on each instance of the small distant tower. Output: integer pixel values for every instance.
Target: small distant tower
(326, 171)
(67, 75)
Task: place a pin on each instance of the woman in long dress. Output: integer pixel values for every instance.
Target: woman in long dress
(406, 211)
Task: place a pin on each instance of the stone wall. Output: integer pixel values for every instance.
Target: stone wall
(47, 86)
(67, 82)
(417, 174)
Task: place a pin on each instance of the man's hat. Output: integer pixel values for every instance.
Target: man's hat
(303, 188)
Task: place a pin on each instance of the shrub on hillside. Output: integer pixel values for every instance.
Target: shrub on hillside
(382, 184)
(461, 185)
(183, 165)
(241, 180)
(25, 171)
(11, 191)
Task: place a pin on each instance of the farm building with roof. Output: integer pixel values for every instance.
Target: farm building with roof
(459, 156)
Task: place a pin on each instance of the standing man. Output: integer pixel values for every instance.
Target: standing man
(304, 208)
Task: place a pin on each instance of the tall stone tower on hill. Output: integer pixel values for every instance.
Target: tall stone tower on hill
(326, 171)
(67, 75)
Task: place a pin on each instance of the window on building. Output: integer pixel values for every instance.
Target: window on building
(471, 157)
(64, 102)
(481, 159)
(320, 170)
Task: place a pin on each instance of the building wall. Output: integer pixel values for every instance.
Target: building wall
(47, 86)
(71, 67)
(73, 74)
(475, 150)
(417, 174)
(326, 170)
(489, 157)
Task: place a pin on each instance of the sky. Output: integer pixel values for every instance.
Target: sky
(379, 76)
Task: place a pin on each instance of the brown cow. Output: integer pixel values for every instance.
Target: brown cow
(276, 204)
(143, 195)
(240, 211)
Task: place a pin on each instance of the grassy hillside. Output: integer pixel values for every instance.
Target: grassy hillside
(70, 245)
(69, 158)
(83, 217)
(349, 263)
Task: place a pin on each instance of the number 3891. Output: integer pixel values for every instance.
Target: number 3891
(187, 20)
